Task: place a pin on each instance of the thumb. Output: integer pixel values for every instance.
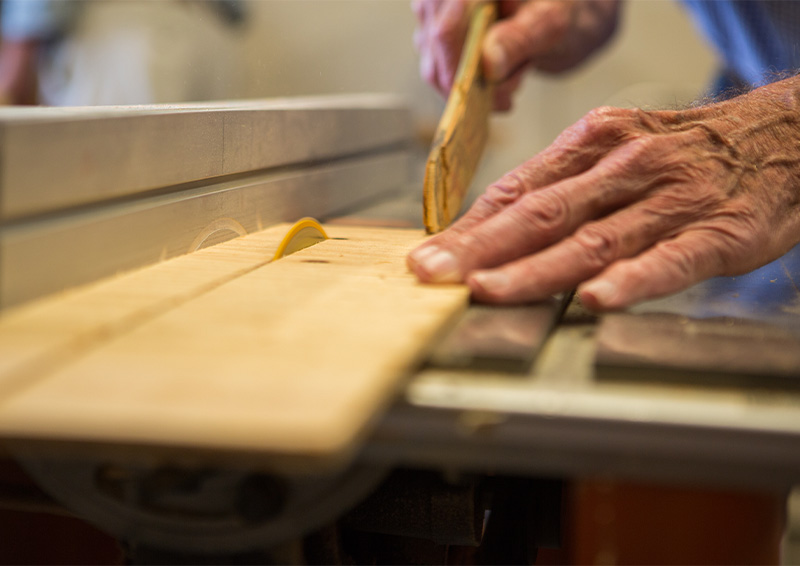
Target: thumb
(535, 29)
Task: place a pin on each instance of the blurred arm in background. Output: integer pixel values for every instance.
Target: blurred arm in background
(77, 52)
(26, 26)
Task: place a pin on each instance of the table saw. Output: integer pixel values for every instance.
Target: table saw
(167, 375)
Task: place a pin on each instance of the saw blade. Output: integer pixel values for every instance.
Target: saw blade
(305, 232)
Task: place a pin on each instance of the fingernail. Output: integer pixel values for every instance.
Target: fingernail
(441, 266)
(601, 291)
(495, 56)
(420, 254)
(490, 281)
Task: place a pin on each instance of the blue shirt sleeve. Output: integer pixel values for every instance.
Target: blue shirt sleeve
(36, 19)
(757, 39)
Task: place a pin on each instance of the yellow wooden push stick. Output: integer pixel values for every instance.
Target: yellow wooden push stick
(462, 131)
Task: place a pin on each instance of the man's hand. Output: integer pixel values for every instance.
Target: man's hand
(548, 35)
(630, 205)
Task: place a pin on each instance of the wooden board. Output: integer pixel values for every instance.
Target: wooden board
(52, 331)
(293, 358)
(48, 255)
(462, 132)
(52, 158)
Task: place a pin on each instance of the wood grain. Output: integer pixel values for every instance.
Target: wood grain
(292, 358)
(462, 131)
(52, 331)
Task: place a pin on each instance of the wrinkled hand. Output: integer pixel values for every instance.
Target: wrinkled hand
(630, 205)
(549, 35)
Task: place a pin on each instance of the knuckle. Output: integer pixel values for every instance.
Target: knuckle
(446, 77)
(641, 149)
(600, 245)
(675, 207)
(641, 157)
(600, 124)
(603, 113)
(736, 241)
(546, 211)
(520, 42)
(427, 70)
(559, 19)
(683, 261)
(476, 251)
(637, 274)
(684, 174)
(445, 31)
(486, 205)
(419, 41)
(428, 75)
(509, 188)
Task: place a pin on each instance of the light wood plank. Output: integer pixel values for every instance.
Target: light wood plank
(50, 332)
(294, 358)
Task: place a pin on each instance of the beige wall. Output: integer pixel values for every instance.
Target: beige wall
(298, 47)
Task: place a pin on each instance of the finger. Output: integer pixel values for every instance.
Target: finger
(420, 9)
(438, 39)
(533, 30)
(447, 33)
(427, 65)
(669, 267)
(504, 92)
(417, 9)
(424, 12)
(590, 250)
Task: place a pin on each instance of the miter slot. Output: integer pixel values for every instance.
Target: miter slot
(498, 338)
